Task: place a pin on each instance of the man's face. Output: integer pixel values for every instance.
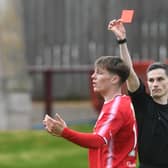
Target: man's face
(158, 83)
(101, 80)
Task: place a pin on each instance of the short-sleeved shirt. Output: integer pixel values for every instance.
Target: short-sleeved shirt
(152, 120)
(116, 125)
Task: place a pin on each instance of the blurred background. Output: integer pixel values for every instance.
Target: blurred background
(47, 51)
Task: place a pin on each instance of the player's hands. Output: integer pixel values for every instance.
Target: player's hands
(54, 126)
(117, 27)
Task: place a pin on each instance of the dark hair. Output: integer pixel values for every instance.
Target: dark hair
(114, 65)
(158, 65)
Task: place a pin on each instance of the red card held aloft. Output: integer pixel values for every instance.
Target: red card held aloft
(127, 16)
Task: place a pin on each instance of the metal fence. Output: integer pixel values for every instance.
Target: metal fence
(62, 33)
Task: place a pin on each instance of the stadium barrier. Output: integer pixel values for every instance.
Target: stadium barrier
(97, 101)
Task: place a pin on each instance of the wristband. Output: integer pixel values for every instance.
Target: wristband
(122, 41)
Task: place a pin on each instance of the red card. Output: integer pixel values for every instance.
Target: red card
(127, 16)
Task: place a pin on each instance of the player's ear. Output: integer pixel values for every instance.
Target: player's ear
(115, 79)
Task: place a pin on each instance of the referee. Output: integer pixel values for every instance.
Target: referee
(151, 109)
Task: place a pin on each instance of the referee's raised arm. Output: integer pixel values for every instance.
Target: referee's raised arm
(117, 27)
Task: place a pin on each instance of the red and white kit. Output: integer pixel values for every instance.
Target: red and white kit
(116, 125)
(113, 143)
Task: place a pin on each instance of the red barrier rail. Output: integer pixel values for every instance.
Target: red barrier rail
(97, 101)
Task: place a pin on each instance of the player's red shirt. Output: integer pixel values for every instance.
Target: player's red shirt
(116, 125)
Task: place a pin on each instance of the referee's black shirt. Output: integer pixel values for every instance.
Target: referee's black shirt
(152, 120)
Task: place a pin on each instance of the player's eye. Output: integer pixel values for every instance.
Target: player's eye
(151, 80)
(160, 79)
